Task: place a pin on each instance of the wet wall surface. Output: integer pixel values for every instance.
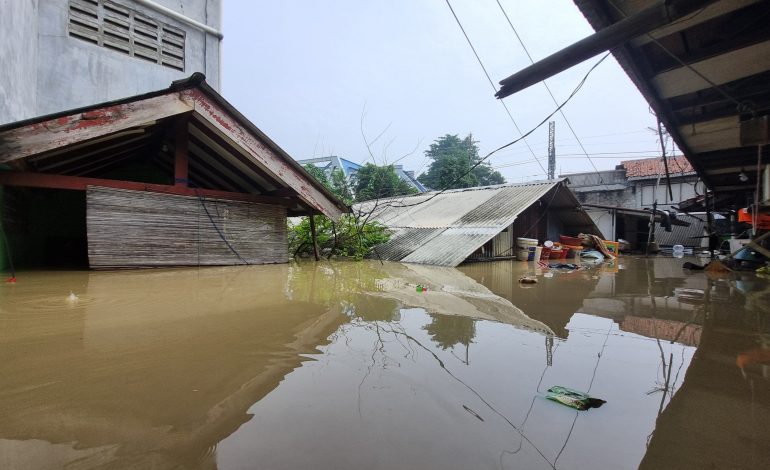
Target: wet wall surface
(348, 365)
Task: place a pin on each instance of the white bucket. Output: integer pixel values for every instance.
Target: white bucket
(526, 242)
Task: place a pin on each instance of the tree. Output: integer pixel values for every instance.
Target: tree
(336, 182)
(350, 237)
(453, 159)
(374, 182)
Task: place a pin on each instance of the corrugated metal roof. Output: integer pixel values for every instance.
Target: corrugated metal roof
(690, 236)
(445, 228)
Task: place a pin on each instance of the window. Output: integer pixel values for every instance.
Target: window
(111, 25)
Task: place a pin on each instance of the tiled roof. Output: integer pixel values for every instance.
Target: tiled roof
(652, 167)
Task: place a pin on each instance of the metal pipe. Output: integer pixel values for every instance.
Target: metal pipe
(649, 19)
(178, 16)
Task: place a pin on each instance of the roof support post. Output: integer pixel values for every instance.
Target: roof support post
(181, 152)
(649, 19)
(312, 236)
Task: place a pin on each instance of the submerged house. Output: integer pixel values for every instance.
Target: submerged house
(449, 227)
(175, 177)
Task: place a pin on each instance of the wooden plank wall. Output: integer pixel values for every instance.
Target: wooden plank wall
(144, 229)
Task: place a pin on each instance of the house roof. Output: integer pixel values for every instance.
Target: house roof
(444, 228)
(728, 43)
(652, 167)
(226, 151)
(690, 235)
(702, 65)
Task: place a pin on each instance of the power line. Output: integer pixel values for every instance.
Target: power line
(531, 60)
(572, 95)
(489, 78)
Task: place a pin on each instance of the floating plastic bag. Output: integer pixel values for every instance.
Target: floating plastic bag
(573, 398)
(592, 254)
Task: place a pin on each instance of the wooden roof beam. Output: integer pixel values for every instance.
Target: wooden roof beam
(720, 69)
(66, 130)
(718, 134)
(710, 12)
(79, 183)
(260, 153)
(660, 14)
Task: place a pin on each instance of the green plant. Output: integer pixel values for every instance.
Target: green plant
(350, 237)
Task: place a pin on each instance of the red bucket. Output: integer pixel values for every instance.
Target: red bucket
(565, 240)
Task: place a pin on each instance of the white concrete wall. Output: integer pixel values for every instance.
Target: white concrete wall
(605, 222)
(45, 70)
(646, 191)
(18, 59)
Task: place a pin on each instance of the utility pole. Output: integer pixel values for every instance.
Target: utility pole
(551, 150)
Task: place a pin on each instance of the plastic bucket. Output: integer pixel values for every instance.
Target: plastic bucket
(565, 240)
(572, 251)
(526, 242)
(536, 254)
(556, 253)
(522, 254)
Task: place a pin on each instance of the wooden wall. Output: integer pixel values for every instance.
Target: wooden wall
(141, 229)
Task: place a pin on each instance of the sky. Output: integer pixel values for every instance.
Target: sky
(326, 77)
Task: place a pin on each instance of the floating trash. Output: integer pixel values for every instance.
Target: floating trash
(573, 398)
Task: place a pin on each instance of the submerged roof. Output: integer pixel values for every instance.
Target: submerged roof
(691, 235)
(445, 228)
(227, 152)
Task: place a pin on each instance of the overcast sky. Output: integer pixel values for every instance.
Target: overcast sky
(304, 72)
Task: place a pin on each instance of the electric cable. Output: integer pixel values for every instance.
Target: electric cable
(492, 83)
(574, 92)
(564, 116)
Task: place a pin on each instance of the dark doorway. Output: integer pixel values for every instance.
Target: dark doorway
(46, 228)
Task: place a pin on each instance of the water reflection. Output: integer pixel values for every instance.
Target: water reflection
(348, 365)
(710, 406)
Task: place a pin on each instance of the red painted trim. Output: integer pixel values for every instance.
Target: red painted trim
(79, 183)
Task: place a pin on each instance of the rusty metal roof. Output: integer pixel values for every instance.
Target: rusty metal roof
(445, 228)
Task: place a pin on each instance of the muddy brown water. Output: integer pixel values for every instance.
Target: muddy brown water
(347, 366)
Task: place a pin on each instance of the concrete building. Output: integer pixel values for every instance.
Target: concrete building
(64, 54)
(618, 200)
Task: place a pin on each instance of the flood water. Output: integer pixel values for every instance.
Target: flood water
(347, 366)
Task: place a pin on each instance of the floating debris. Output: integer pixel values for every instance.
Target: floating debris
(573, 398)
(528, 280)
